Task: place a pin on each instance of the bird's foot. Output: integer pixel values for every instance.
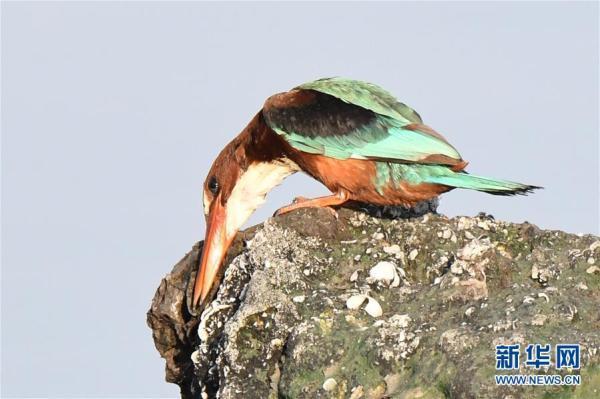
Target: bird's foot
(291, 207)
(321, 202)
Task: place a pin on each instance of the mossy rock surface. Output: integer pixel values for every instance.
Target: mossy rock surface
(280, 327)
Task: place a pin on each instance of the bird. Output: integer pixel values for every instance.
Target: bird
(354, 137)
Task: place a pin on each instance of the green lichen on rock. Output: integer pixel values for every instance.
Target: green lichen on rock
(301, 313)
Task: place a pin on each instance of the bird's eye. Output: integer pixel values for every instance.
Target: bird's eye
(213, 185)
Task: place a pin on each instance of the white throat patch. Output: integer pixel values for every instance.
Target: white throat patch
(251, 189)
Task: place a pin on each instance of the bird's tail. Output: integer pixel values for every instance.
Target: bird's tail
(485, 184)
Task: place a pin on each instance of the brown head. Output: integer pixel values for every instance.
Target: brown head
(235, 186)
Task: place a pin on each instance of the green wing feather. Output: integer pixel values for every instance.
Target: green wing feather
(387, 135)
(366, 143)
(365, 95)
(395, 174)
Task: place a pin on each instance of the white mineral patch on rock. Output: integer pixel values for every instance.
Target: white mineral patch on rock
(456, 268)
(392, 249)
(465, 223)
(329, 384)
(542, 295)
(535, 272)
(400, 320)
(581, 286)
(373, 308)
(413, 254)
(355, 301)
(393, 383)
(484, 224)
(474, 249)
(593, 270)
(195, 356)
(203, 331)
(528, 300)
(357, 392)
(539, 320)
(384, 272)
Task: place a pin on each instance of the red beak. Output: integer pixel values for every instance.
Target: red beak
(216, 243)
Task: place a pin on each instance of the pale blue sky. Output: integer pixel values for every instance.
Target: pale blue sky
(113, 113)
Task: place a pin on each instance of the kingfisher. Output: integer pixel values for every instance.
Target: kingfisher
(354, 137)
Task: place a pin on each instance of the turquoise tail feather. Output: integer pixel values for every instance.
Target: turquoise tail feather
(479, 183)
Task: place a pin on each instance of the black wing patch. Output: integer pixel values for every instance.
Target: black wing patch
(312, 114)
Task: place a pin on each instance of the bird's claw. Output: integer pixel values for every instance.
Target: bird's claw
(284, 210)
(322, 202)
(298, 200)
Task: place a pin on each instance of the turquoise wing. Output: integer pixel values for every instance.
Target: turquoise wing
(342, 119)
(366, 95)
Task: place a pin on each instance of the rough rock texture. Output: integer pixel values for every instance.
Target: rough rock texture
(301, 313)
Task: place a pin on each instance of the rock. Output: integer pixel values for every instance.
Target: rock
(296, 315)
(457, 340)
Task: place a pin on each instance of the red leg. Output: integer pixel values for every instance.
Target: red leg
(320, 202)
